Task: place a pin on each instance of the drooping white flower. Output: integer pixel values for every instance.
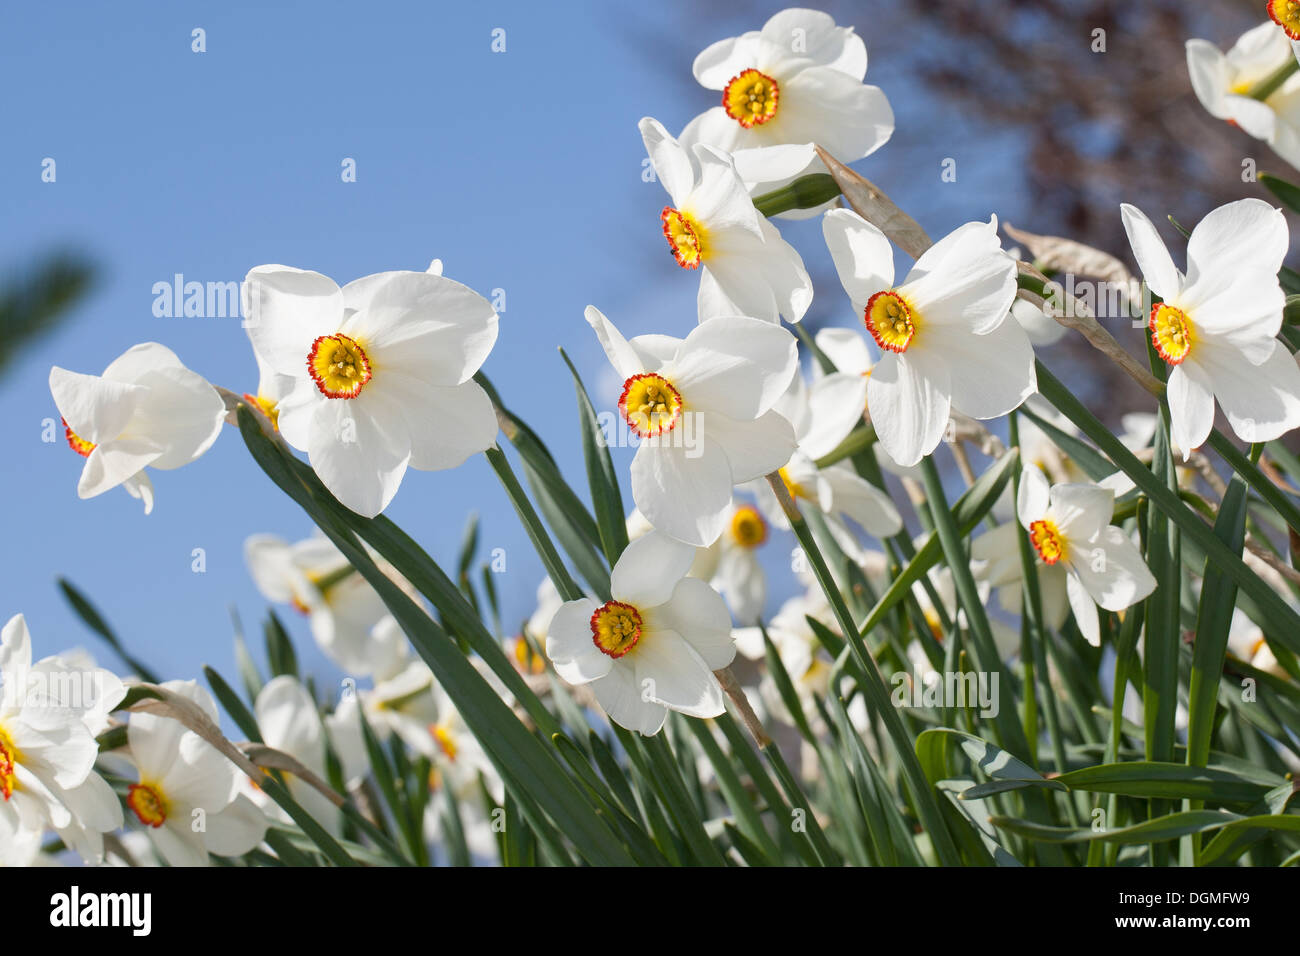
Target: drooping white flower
(381, 371)
(290, 722)
(188, 795)
(746, 268)
(49, 714)
(1070, 525)
(315, 578)
(945, 332)
(1217, 326)
(145, 410)
(795, 83)
(702, 409)
(654, 646)
(1223, 81)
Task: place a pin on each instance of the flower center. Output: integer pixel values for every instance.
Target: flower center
(616, 628)
(1171, 333)
(748, 529)
(8, 765)
(1286, 14)
(890, 321)
(751, 98)
(267, 407)
(149, 804)
(445, 742)
(1047, 541)
(650, 404)
(529, 661)
(338, 365)
(685, 237)
(76, 442)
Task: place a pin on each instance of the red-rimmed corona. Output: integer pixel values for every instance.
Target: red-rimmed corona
(1286, 14)
(751, 98)
(651, 405)
(76, 442)
(8, 763)
(339, 366)
(1047, 540)
(890, 320)
(1171, 332)
(616, 628)
(685, 237)
(148, 804)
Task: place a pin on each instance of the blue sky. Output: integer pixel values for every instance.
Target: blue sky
(521, 170)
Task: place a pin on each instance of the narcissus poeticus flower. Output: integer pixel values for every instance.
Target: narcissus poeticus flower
(1069, 525)
(746, 268)
(795, 83)
(1223, 83)
(654, 646)
(701, 408)
(146, 410)
(187, 797)
(1217, 326)
(946, 335)
(381, 371)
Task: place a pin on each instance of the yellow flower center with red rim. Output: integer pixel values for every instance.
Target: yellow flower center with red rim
(445, 741)
(267, 407)
(8, 765)
(148, 803)
(751, 98)
(685, 237)
(615, 628)
(1171, 332)
(1047, 541)
(748, 529)
(338, 365)
(76, 442)
(1286, 14)
(650, 404)
(792, 487)
(890, 320)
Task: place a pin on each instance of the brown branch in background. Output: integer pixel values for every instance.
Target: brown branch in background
(731, 687)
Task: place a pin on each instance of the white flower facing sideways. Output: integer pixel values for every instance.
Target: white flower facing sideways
(795, 83)
(188, 795)
(381, 374)
(946, 333)
(1070, 525)
(1217, 326)
(50, 712)
(746, 268)
(654, 646)
(701, 408)
(146, 410)
(1223, 82)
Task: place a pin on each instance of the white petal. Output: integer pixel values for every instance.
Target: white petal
(970, 285)
(1208, 70)
(720, 61)
(734, 365)
(863, 257)
(753, 449)
(1034, 498)
(1246, 235)
(697, 613)
(1112, 571)
(1152, 257)
(621, 355)
(1081, 510)
(360, 449)
(620, 695)
(114, 462)
(95, 408)
(1085, 611)
(672, 162)
(814, 35)
(847, 118)
(1191, 406)
(908, 398)
(285, 310)
(1261, 402)
(287, 718)
(238, 828)
(671, 672)
(182, 414)
(854, 496)
(648, 570)
(836, 402)
(446, 425)
(683, 496)
(991, 374)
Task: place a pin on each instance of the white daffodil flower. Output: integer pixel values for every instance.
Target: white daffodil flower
(739, 576)
(654, 646)
(795, 83)
(49, 714)
(1070, 525)
(381, 371)
(702, 410)
(746, 268)
(1217, 326)
(995, 562)
(1223, 81)
(823, 414)
(1246, 643)
(290, 722)
(945, 332)
(344, 611)
(146, 410)
(188, 792)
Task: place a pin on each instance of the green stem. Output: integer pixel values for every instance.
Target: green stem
(1273, 82)
(807, 192)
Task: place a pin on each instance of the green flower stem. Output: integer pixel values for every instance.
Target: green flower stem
(874, 686)
(806, 192)
(1273, 82)
(559, 574)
